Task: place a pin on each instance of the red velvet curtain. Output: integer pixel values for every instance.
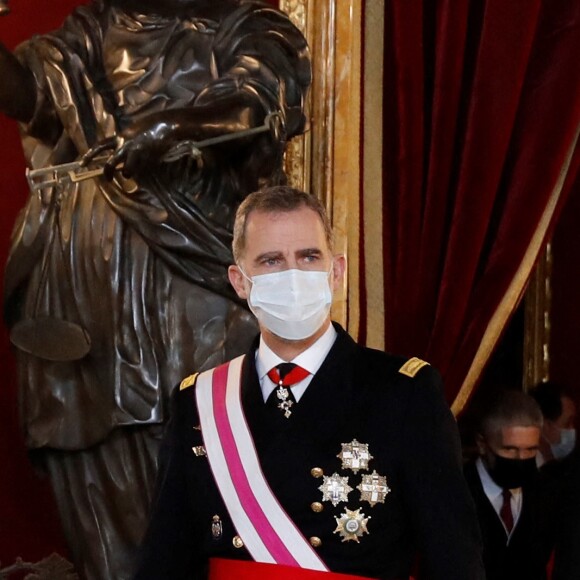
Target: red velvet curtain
(481, 114)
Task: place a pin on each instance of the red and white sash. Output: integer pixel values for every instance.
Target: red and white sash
(265, 528)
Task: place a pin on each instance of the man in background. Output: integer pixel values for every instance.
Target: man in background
(559, 430)
(559, 459)
(567, 553)
(514, 512)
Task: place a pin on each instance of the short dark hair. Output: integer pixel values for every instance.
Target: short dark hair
(279, 198)
(548, 395)
(510, 408)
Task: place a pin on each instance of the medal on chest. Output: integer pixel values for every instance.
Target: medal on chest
(355, 456)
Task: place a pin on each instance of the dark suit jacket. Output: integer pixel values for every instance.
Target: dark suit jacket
(357, 393)
(564, 479)
(527, 554)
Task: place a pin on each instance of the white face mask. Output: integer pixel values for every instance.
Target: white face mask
(292, 304)
(566, 444)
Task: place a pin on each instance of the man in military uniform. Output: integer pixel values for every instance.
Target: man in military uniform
(345, 461)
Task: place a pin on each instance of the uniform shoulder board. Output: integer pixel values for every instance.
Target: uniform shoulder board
(412, 366)
(188, 381)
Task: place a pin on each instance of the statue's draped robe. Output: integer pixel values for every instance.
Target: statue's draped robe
(143, 270)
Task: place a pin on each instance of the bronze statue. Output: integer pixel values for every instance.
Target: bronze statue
(116, 286)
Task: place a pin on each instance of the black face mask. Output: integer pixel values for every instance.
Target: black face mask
(512, 473)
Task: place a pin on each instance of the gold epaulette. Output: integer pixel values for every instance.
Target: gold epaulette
(188, 381)
(412, 366)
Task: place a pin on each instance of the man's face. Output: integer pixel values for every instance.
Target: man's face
(512, 442)
(283, 241)
(567, 420)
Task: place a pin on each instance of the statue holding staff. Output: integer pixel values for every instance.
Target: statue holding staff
(116, 286)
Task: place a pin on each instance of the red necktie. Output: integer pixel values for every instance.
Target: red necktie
(287, 374)
(505, 511)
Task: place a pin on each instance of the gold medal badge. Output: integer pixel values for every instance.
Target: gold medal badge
(351, 525)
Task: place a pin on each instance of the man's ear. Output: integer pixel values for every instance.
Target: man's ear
(238, 281)
(338, 270)
(481, 444)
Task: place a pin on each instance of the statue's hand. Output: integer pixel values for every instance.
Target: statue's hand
(138, 148)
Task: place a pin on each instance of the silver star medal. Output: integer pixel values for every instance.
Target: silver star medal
(373, 488)
(351, 525)
(285, 402)
(335, 489)
(355, 456)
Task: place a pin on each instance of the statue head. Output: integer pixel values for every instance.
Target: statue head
(170, 7)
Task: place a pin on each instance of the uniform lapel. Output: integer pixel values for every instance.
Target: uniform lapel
(321, 409)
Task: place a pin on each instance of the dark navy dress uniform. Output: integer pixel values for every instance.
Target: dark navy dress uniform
(357, 394)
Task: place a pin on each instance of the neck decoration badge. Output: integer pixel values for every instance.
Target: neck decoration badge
(285, 375)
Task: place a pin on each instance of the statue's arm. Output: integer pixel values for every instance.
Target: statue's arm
(264, 68)
(147, 139)
(230, 114)
(17, 89)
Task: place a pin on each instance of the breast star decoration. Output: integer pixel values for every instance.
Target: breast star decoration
(335, 489)
(355, 456)
(373, 488)
(351, 525)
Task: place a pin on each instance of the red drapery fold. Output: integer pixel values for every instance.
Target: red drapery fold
(481, 117)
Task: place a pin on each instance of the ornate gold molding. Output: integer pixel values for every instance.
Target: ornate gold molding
(298, 153)
(325, 160)
(538, 299)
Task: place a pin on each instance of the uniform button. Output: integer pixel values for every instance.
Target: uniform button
(315, 542)
(237, 542)
(316, 507)
(316, 472)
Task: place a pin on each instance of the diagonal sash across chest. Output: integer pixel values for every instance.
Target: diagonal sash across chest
(265, 528)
